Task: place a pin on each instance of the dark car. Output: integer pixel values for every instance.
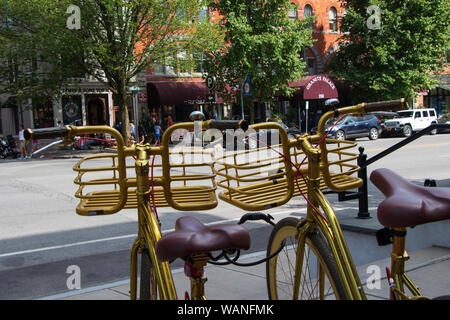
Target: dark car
(268, 137)
(352, 127)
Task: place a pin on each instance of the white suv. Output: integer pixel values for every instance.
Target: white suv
(408, 121)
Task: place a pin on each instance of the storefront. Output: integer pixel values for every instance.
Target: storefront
(307, 103)
(43, 116)
(86, 106)
(178, 100)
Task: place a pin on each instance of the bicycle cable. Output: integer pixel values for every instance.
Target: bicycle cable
(241, 264)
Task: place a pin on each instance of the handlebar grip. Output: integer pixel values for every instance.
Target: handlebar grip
(385, 105)
(228, 124)
(46, 133)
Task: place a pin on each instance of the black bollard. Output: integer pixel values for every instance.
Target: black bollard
(363, 202)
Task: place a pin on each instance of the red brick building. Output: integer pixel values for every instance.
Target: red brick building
(176, 93)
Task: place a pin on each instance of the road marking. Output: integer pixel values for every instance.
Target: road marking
(81, 243)
(412, 146)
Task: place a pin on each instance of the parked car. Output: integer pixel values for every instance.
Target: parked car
(263, 138)
(352, 127)
(408, 121)
(445, 118)
(383, 116)
(253, 140)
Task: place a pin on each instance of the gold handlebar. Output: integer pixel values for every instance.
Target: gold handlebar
(200, 197)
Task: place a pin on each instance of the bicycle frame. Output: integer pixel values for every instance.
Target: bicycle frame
(330, 228)
(149, 231)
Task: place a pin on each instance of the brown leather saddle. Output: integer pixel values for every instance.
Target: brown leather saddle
(407, 204)
(193, 237)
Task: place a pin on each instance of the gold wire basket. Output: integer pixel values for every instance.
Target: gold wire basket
(188, 184)
(263, 178)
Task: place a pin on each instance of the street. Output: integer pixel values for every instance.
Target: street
(41, 235)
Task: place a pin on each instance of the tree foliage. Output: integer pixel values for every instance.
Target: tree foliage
(397, 57)
(261, 42)
(116, 40)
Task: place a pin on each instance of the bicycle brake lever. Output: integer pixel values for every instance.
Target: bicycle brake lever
(256, 216)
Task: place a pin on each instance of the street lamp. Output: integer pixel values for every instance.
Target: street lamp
(135, 90)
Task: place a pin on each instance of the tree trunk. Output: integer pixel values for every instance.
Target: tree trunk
(124, 119)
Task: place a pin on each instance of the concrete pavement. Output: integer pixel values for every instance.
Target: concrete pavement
(428, 268)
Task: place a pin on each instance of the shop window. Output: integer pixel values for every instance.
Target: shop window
(71, 109)
(43, 115)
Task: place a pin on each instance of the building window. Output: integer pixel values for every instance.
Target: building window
(332, 17)
(307, 11)
(203, 15)
(292, 13)
(199, 59)
(311, 66)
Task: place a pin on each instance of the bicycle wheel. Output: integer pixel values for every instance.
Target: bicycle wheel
(147, 283)
(318, 264)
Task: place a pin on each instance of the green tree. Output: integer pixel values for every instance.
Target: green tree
(114, 41)
(393, 49)
(261, 42)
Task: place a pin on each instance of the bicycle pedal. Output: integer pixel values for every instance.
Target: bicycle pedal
(385, 236)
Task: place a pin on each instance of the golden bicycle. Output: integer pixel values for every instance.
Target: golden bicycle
(252, 180)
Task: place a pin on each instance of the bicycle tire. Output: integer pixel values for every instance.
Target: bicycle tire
(147, 283)
(282, 288)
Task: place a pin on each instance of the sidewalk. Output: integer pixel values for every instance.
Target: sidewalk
(428, 268)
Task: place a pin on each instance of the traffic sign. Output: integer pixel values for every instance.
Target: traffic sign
(247, 87)
(211, 98)
(210, 82)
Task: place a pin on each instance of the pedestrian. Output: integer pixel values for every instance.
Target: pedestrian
(158, 132)
(169, 122)
(22, 145)
(151, 130)
(118, 127)
(133, 130)
(154, 115)
(143, 135)
(35, 146)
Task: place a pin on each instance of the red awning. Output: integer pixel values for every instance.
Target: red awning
(315, 87)
(177, 93)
